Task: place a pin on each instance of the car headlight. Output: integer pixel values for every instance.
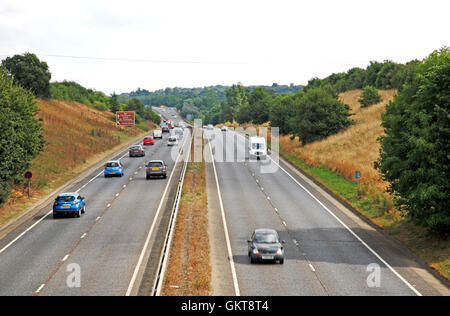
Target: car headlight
(279, 252)
(255, 251)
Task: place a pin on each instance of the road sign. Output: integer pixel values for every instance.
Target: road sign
(357, 174)
(28, 175)
(125, 118)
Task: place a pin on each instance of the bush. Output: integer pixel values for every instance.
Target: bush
(369, 96)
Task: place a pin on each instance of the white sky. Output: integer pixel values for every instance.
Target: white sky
(223, 42)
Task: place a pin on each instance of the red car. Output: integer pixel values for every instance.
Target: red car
(171, 126)
(148, 140)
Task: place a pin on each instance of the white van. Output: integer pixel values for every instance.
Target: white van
(257, 147)
(157, 133)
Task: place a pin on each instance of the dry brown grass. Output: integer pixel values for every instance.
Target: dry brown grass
(353, 149)
(75, 135)
(189, 264)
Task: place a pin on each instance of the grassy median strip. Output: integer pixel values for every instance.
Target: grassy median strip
(189, 269)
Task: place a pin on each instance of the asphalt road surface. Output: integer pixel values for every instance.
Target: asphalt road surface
(97, 254)
(327, 251)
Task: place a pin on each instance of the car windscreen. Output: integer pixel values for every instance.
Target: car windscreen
(257, 146)
(154, 164)
(265, 238)
(65, 199)
(112, 165)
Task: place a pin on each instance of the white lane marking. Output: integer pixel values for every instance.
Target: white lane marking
(284, 223)
(65, 258)
(109, 205)
(98, 218)
(268, 198)
(352, 232)
(21, 235)
(147, 241)
(117, 194)
(84, 235)
(227, 237)
(50, 212)
(312, 268)
(89, 182)
(40, 288)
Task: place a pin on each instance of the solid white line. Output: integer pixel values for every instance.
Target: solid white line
(50, 212)
(21, 235)
(40, 288)
(227, 237)
(147, 241)
(352, 232)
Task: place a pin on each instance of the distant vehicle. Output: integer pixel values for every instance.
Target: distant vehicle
(179, 132)
(172, 141)
(156, 168)
(170, 126)
(265, 245)
(224, 128)
(257, 147)
(210, 127)
(69, 203)
(113, 168)
(148, 140)
(165, 129)
(137, 151)
(157, 133)
(205, 127)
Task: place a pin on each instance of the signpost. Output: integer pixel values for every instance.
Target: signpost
(357, 174)
(28, 175)
(125, 118)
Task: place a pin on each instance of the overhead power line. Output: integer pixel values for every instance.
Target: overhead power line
(160, 61)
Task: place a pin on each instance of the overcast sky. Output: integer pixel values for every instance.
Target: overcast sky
(193, 43)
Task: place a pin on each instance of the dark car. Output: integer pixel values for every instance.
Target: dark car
(137, 151)
(165, 129)
(156, 168)
(69, 203)
(265, 245)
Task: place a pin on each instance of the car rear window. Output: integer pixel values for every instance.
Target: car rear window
(112, 164)
(65, 199)
(266, 238)
(136, 147)
(148, 138)
(154, 164)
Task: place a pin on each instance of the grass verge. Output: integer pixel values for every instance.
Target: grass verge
(433, 251)
(189, 268)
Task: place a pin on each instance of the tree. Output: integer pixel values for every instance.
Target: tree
(114, 104)
(369, 96)
(21, 136)
(30, 73)
(318, 114)
(259, 105)
(414, 154)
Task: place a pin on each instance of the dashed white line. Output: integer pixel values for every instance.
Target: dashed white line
(312, 268)
(65, 258)
(84, 235)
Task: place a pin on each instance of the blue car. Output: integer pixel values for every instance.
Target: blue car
(113, 168)
(69, 204)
